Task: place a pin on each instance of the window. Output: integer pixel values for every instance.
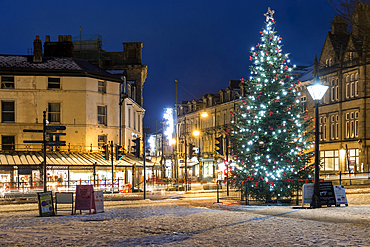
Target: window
(53, 83)
(7, 112)
(336, 132)
(352, 124)
(304, 103)
(332, 128)
(138, 122)
(352, 89)
(330, 160)
(332, 91)
(356, 124)
(356, 85)
(7, 82)
(350, 55)
(129, 118)
(102, 140)
(8, 142)
(322, 128)
(330, 62)
(354, 164)
(101, 87)
(54, 112)
(102, 115)
(347, 90)
(327, 62)
(134, 117)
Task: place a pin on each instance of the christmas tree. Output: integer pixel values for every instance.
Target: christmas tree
(269, 137)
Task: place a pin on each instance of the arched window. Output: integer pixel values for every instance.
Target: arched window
(347, 78)
(327, 62)
(330, 62)
(352, 77)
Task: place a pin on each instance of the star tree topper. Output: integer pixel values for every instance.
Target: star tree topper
(269, 14)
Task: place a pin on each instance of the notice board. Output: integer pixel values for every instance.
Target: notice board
(46, 205)
(99, 201)
(327, 196)
(84, 198)
(340, 195)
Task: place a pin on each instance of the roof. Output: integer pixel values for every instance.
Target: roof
(64, 159)
(25, 65)
(307, 75)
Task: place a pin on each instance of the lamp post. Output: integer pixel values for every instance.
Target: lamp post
(317, 91)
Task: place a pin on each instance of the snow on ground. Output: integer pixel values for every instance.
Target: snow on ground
(189, 222)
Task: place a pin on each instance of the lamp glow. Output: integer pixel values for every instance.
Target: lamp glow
(317, 91)
(196, 133)
(204, 114)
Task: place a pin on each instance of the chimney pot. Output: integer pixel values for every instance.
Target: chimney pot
(47, 38)
(60, 38)
(37, 50)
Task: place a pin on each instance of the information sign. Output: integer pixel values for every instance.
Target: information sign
(46, 205)
(99, 201)
(84, 198)
(340, 195)
(307, 193)
(327, 196)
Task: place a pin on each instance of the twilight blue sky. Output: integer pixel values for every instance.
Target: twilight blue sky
(202, 43)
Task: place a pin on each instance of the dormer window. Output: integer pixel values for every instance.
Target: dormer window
(327, 63)
(351, 55)
(330, 62)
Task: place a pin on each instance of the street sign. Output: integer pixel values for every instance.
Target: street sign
(33, 141)
(55, 127)
(56, 143)
(38, 131)
(56, 134)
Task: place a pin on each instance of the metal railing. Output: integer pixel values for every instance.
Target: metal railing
(347, 178)
(240, 191)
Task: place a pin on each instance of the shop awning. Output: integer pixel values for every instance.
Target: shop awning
(25, 159)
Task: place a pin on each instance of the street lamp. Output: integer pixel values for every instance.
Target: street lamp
(317, 91)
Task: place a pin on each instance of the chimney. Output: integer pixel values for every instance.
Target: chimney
(339, 25)
(62, 48)
(37, 50)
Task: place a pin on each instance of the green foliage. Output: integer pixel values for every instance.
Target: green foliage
(269, 138)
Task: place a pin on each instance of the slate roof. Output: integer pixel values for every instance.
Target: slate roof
(25, 64)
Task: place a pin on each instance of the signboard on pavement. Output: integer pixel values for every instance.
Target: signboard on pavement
(340, 195)
(327, 196)
(99, 201)
(307, 193)
(84, 198)
(46, 205)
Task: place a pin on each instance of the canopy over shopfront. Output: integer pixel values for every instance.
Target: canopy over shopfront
(15, 165)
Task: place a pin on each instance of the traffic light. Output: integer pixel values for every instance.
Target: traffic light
(191, 151)
(136, 147)
(119, 152)
(105, 152)
(219, 146)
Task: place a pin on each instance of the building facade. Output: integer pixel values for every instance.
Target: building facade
(96, 107)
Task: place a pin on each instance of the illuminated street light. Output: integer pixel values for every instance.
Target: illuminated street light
(204, 114)
(317, 91)
(196, 133)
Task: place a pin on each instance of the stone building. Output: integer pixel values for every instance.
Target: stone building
(202, 160)
(344, 113)
(95, 106)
